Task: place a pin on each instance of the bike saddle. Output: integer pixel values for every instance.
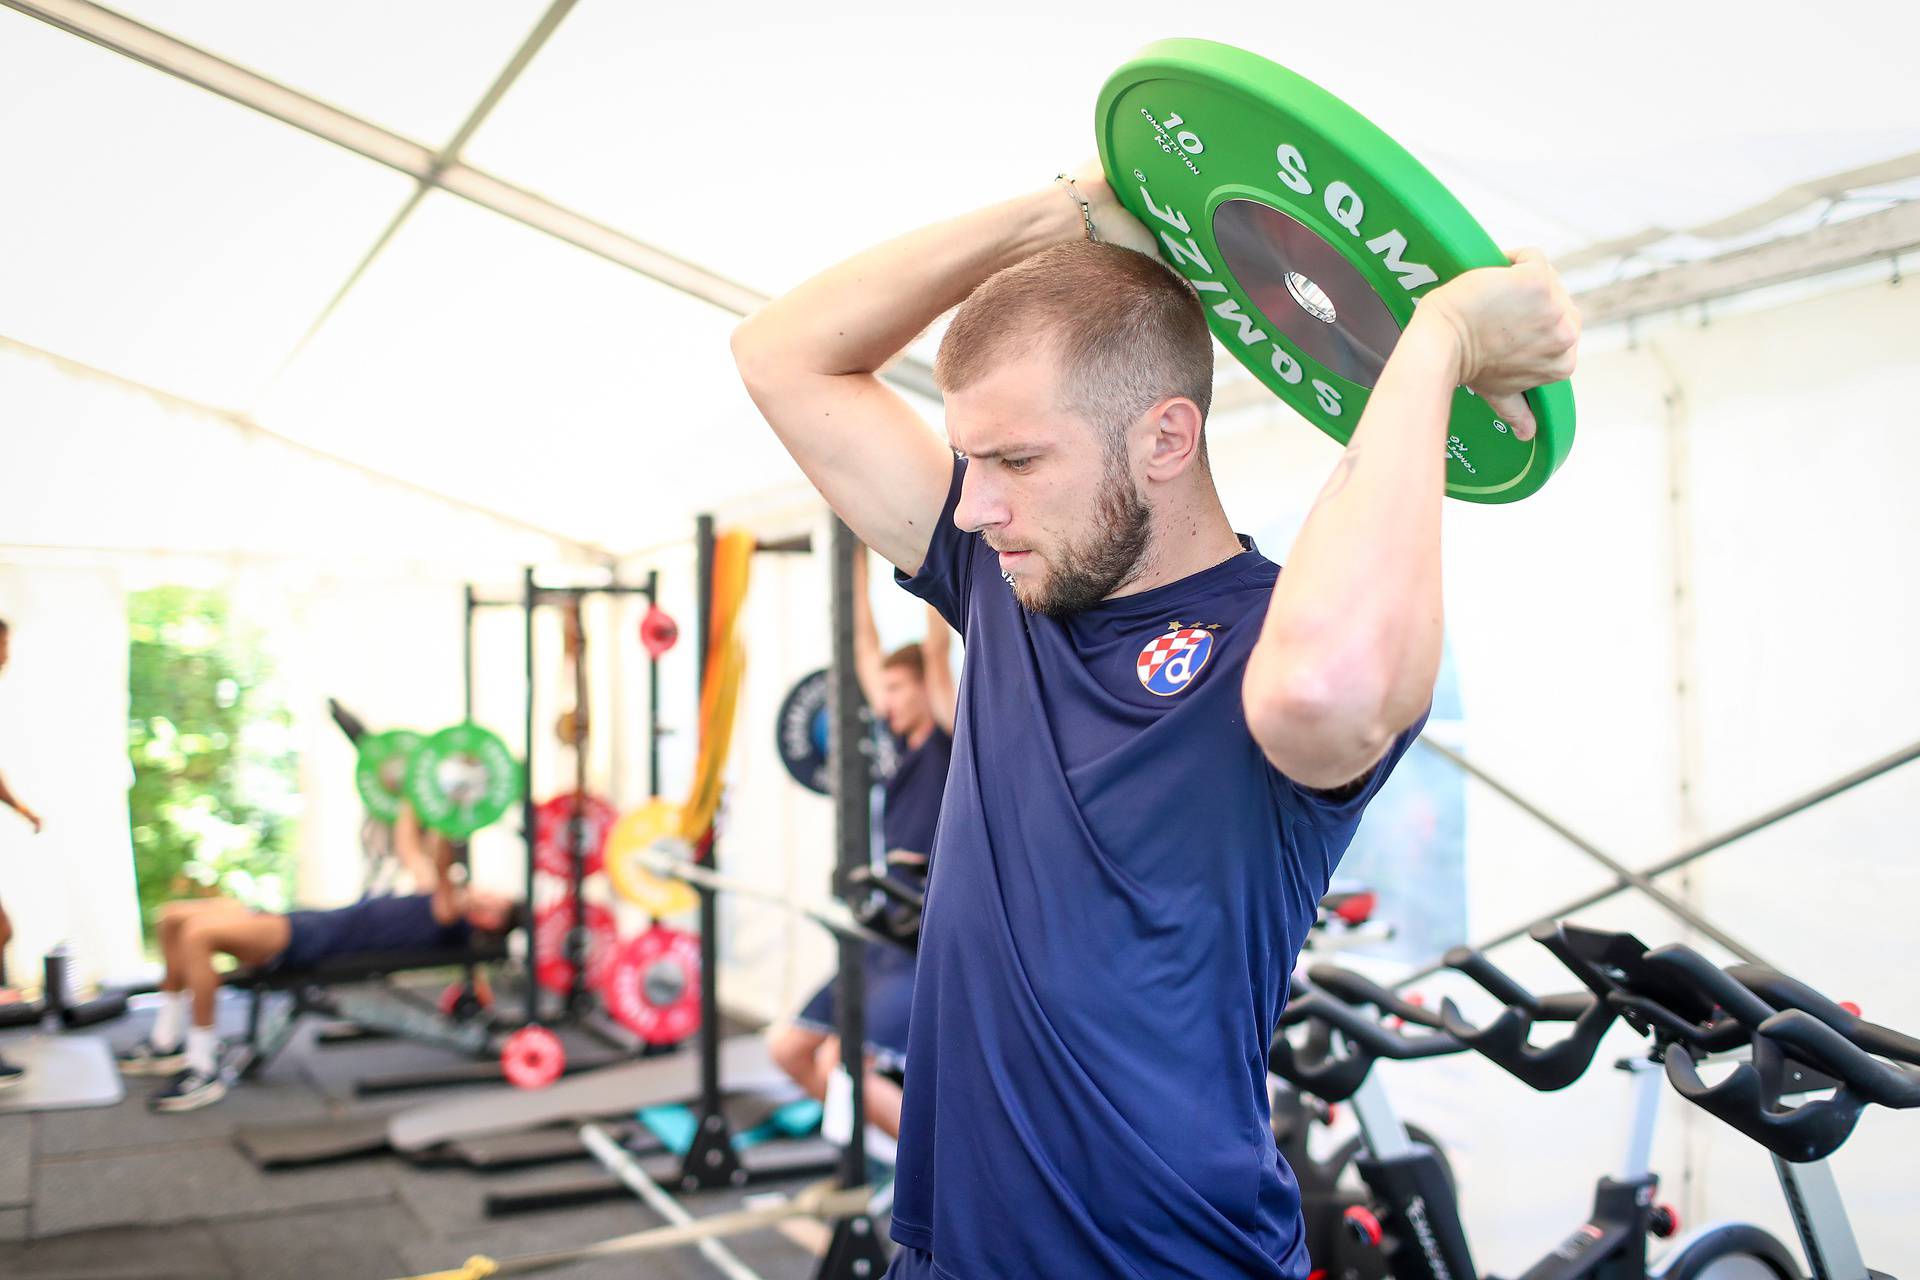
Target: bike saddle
(1353, 907)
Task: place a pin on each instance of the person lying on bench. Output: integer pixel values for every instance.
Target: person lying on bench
(192, 932)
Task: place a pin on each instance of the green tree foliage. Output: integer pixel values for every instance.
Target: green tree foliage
(214, 804)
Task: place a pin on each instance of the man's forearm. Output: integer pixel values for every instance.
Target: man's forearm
(1351, 643)
(854, 317)
(420, 870)
(937, 651)
(937, 647)
(409, 846)
(866, 636)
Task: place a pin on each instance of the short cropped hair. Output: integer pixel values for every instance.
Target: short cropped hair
(906, 658)
(1127, 331)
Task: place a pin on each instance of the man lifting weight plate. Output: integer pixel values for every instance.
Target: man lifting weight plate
(1163, 743)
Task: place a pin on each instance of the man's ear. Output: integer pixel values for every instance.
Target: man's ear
(1177, 432)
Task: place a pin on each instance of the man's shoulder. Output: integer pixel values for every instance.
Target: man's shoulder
(1243, 588)
(1257, 570)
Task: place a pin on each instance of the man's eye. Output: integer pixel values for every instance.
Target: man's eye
(1019, 466)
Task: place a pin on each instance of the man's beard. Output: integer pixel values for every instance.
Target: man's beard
(1084, 574)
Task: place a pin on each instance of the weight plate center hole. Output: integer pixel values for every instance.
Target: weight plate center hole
(1306, 287)
(463, 779)
(1312, 298)
(664, 984)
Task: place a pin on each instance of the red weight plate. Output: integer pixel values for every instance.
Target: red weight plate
(551, 824)
(550, 925)
(450, 997)
(532, 1058)
(653, 986)
(658, 632)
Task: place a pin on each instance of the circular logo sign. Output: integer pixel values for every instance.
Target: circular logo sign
(802, 729)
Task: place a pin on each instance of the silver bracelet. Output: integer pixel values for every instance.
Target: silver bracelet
(1086, 209)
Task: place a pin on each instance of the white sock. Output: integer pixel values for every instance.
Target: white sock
(836, 1118)
(175, 1008)
(203, 1050)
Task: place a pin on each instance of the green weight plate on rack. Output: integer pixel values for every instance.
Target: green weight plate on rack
(461, 779)
(1309, 235)
(380, 773)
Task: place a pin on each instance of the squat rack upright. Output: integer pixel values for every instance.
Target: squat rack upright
(854, 1249)
(712, 1161)
(532, 597)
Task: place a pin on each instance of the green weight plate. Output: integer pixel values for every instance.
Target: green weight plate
(462, 779)
(380, 774)
(1309, 235)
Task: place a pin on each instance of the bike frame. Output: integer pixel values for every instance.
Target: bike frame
(1420, 1215)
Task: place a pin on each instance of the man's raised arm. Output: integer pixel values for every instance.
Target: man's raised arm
(937, 656)
(1350, 648)
(867, 660)
(810, 360)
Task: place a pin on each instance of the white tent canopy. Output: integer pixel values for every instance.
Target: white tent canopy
(191, 243)
(491, 330)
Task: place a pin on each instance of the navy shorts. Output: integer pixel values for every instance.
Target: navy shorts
(310, 939)
(889, 1005)
(400, 922)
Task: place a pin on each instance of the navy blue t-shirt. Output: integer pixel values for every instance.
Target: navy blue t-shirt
(913, 794)
(1121, 883)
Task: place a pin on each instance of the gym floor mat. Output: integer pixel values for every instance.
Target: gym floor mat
(63, 1071)
(288, 1144)
(744, 1066)
(75, 1133)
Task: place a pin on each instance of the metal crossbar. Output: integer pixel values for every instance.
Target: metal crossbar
(1699, 849)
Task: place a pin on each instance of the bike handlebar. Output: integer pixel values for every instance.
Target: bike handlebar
(1507, 1040)
(1335, 1073)
(1693, 1008)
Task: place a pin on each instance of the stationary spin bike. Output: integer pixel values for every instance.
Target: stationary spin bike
(1342, 1221)
(1792, 1042)
(1420, 1235)
(1334, 1203)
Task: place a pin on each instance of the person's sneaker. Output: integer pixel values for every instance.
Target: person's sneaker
(11, 1074)
(146, 1059)
(189, 1091)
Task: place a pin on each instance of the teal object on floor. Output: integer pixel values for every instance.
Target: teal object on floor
(675, 1126)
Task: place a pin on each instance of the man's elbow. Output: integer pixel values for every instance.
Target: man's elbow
(1321, 730)
(752, 354)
